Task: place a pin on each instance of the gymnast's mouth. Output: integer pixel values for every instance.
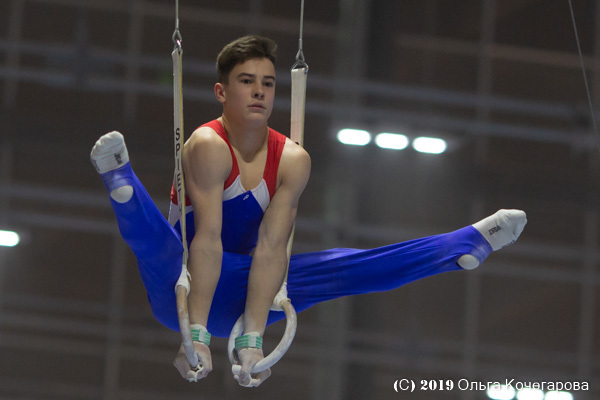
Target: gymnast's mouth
(257, 106)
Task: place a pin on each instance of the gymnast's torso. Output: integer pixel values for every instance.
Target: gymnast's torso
(242, 209)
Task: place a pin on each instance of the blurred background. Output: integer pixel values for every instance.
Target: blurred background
(500, 81)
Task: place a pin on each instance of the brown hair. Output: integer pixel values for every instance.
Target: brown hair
(242, 50)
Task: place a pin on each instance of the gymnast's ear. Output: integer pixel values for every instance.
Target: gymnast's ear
(220, 92)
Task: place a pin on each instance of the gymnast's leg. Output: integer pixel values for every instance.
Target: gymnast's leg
(322, 276)
(154, 242)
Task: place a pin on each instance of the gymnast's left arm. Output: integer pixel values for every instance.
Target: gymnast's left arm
(269, 262)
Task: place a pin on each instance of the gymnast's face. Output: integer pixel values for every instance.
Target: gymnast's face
(250, 91)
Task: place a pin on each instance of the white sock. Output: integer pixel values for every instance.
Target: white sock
(109, 152)
(500, 230)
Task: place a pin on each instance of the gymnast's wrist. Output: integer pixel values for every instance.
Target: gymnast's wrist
(200, 334)
(251, 340)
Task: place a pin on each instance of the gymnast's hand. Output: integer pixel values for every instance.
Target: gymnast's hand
(191, 373)
(249, 357)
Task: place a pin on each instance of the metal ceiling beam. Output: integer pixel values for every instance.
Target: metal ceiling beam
(209, 16)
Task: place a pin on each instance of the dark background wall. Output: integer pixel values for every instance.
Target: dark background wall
(500, 80)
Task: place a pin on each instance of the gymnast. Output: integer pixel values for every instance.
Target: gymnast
(244, 181)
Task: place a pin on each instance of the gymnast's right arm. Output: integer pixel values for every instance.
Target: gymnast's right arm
(206, 165)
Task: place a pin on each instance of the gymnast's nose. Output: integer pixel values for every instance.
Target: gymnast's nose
(258, 92)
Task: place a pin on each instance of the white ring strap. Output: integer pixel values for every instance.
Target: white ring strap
(182, 287)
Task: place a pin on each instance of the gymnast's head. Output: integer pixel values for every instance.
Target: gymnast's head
(241, 50)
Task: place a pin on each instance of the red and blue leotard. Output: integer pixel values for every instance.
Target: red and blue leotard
(242, 209)
(312, 277)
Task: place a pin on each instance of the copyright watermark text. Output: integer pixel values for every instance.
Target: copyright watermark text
(437, 385)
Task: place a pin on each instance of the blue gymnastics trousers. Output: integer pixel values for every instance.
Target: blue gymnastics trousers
(312, 277)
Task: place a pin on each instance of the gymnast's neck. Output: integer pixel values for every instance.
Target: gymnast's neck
(247, 138)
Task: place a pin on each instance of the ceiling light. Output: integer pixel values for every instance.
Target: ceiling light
(558, 395)
(502, 392)
(394, 141)
(530, 394)
(9, 238)
(429, 145)
(355, 137)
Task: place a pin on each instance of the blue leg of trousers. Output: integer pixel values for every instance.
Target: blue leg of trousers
(317, 277)
(313, 277)
(156, 245)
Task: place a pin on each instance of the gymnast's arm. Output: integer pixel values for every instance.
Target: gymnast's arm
(206, 164)
(269, 261)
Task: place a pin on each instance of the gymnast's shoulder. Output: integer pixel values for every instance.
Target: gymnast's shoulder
(205, 145)
(295, 160)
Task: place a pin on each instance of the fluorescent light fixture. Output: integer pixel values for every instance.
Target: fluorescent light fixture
(9, 238)
(355, 137)
(429, 145)
(558, 395)
(501, 393)
(530, 394)
(394, 141)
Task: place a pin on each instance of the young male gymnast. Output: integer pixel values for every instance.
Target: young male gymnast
(244, 181)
